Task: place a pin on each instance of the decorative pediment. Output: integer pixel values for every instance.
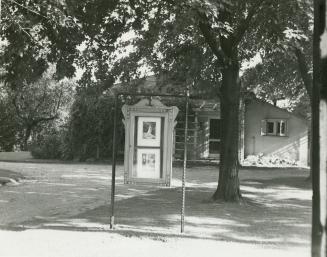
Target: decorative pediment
(149, 102)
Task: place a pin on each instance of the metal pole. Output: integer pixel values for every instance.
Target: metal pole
(185, 159)
(113, 172)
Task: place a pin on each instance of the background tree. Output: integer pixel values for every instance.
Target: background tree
(39, 102)
(286, 72)
(102, 57)
(278, 78)
(34, 35)
(8, 123)
(90, 125)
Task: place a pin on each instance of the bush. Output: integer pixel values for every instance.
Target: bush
(90, 127)
(47, 146)
(268, 161)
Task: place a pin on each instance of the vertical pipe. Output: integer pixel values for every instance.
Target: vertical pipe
(196, 135)
(113, 172)
(185, 159)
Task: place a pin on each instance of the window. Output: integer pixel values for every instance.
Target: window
(270, 127)
(274, 127)
(281, 128)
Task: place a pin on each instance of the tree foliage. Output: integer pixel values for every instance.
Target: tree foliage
(8, 123)
(90, 126)
(39, 102)
(34, 35)
(278, 78)
(286, 72)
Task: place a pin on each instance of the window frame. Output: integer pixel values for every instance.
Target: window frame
(276, 123)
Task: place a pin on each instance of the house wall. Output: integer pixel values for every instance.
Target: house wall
(293, 146)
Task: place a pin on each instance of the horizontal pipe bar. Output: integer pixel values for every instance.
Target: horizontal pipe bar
(160, 95)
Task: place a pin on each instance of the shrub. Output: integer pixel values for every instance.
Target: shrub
(90, 127)
(47, 146)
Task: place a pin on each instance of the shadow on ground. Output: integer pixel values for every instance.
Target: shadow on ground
(275, 211)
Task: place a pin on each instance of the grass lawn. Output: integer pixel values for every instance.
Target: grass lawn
(15, 156)
(8, 174)
(63, 210)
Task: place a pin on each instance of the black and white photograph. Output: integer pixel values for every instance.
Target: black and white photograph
(163, 128)
(149, 131)
(148, 163)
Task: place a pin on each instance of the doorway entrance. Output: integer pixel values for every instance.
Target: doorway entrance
(214, 137)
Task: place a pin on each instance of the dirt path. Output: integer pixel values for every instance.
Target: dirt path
(275, 215)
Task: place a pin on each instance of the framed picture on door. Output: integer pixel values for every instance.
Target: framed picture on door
(148, 163)
(149, 131)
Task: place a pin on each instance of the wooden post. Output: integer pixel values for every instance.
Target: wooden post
(319, 132)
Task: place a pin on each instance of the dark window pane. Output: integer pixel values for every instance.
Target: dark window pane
(270, 127)
(283, 128)
(215, 130)
(214, 147)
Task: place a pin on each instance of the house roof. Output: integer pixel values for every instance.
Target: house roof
(154, 84)
(278, 108)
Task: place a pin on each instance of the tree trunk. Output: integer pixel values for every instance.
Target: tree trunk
(319, 136)
(307, 81)
(228, 183)
(27, 134)
(304, 72)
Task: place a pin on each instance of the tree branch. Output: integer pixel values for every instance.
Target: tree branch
(41, 101)
(304, 71)
(18, 112)
(245, 24)
(208, 34)
(28, 9)
(59, 101)
(44, 119)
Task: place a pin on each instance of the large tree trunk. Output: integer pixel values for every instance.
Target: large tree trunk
(319, 137)
(307, 81)
(228, 183)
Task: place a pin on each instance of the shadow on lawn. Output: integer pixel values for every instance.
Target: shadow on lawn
(274, 211)
(290, 181)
